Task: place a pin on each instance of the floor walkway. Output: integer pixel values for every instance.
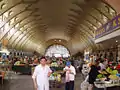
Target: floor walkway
(24, 82)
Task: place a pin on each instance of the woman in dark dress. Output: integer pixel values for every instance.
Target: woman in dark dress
(93, 74)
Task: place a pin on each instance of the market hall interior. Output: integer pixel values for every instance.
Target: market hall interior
(62, 30)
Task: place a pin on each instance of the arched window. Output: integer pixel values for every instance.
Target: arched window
(57, 51)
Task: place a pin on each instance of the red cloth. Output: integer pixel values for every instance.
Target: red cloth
(118, 66)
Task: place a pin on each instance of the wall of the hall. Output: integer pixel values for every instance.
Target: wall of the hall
(119, 51)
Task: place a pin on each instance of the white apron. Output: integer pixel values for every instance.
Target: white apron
(42, 78)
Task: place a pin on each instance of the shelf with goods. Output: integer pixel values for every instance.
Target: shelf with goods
(108, 78)
(56, 78)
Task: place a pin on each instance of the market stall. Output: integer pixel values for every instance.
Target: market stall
(23, 69)
(109, 79)
(107, 85)
(57, 77)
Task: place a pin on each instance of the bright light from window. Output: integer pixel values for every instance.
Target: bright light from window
(12, 21)
(16, 18)
(5, 14)
(25, 26)
(57, 51)
(104, 18)
(112, 12)
(21, 28)
(95, 27)
(10, 13)
(17, 25)
(14, 34)
(12, 31)
(2, 29)
(0, 18)
(6, 28)
(57, 55)
(3, 6)
(99, 24)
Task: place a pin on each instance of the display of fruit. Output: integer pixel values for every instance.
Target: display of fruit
(113, 77)
(109, 70)
(17, 63)
(51, 77)
(58, 78)
(54, 64)
(114, 72)
(54, 74)
(100, 76)
(102, 79)
(104, 72)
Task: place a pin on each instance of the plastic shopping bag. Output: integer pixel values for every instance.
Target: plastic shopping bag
(84, 85)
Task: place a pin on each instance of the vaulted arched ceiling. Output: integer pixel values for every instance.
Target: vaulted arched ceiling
(36, 24)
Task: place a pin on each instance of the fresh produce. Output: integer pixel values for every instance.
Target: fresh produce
(58, 78)
(113, 77)
(17, 63)
(54, 64)
(109, 70)
(55, 76)
(100, 76)
(114, 72)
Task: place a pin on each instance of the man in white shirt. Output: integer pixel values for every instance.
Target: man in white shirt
(70, 76)
(41, 75)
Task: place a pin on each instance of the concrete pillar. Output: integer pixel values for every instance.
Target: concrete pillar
(118, 52)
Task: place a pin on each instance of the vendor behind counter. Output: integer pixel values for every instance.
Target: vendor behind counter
(109, 73)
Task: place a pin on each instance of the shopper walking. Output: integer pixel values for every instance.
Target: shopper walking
(41, 75)
(70, 76)
(93, 74)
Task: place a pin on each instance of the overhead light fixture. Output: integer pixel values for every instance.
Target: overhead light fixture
(116, 41)
(55, 40)
(59, 40)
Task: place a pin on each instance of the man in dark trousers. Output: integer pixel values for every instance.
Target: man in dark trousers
(70, 76)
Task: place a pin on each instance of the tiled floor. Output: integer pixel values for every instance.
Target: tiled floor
(24, 82)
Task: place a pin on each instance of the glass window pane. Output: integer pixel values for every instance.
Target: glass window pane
(112, 12)
(6, 28)
(10, 13)
(21, 29)
(0, 19)
(4, 18)
(12, 21)
(105, 18)
(57, 51)
(6, 14)
(17, 25)
(16, 18)
(3, 6)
